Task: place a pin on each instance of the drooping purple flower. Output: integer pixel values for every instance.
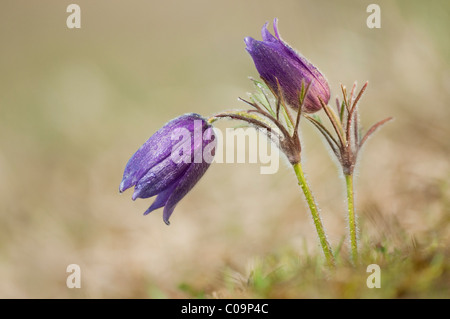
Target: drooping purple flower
(171, 162)
(276, 60)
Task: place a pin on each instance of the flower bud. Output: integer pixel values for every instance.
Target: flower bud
(284, 69)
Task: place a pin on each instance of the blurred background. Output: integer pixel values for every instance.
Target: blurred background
(75, 104)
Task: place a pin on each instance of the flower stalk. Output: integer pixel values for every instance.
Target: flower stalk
(315, 214)
(352, 218)
(346, 143)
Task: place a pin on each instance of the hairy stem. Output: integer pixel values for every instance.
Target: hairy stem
(315, 214)
(352, 217)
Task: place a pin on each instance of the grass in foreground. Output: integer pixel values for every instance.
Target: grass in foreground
(408, 269)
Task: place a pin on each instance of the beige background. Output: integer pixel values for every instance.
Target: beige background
(76, 104)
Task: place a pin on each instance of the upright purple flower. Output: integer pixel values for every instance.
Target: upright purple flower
(171, 162)
(276, 60)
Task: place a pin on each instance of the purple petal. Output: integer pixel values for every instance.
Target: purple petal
(190, 178)
(275, 28)
(249, 41)
(266, 35)
(319, 79)
(187, 182)
(162, 198)
(154, 150)
(159, 177)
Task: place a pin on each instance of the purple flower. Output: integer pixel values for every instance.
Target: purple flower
(275, 59)
(171, 162)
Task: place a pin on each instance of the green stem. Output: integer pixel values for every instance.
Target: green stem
(315, 214)
(352, 217)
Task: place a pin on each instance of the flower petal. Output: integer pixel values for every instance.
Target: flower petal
(187, 182)
(319, 78)
(159, 177)
(192, 175)
(266, 35)
(162, 198)
(154, 150)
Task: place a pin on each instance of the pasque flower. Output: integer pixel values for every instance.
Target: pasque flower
(283, 69)
(171, 162)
